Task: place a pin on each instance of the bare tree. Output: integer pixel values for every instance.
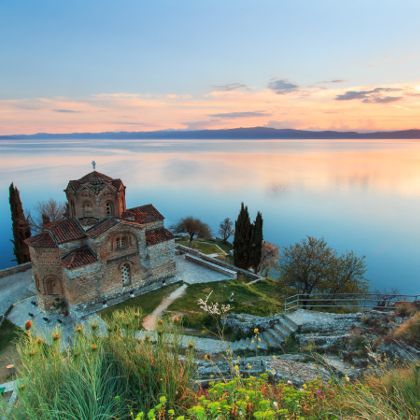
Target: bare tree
(226, 229)
(270, 257)
(311, 265)
(193, 227)
(49, 211)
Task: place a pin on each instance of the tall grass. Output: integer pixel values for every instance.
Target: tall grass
(391, 394)
(101, 377)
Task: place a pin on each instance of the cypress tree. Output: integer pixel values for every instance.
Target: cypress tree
(256, 242)
(242, 238)
(20, 225)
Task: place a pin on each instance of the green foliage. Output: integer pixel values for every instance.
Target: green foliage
(312, 266)
(101, 377)
(389, 395)
(250, 398)
(256, 242)
(248, 240)
(241, 242)
(205, 247)
(262, 298)
(20, 226)
(145, 303)
(8, 333)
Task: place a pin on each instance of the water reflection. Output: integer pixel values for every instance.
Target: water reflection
(358, 195)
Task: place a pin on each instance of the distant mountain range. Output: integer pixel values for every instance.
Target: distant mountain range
(233, 133)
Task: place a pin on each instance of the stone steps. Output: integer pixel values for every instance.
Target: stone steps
(274, 334)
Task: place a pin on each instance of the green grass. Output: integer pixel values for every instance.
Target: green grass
(147, 302)
(100, 377)
(8, 333)
(202, 246)
(261, 298)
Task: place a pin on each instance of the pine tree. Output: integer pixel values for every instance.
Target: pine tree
(256, 242)
(20, 225)
(242, 238)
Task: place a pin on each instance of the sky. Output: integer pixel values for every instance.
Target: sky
(142, 65)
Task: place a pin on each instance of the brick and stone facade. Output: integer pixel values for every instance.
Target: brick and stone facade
(103, 253)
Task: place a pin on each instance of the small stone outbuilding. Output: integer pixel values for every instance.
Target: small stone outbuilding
(103, 252)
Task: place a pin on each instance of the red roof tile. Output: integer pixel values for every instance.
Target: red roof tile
(101, 227)
(78, 258)
(66, 230)
(95, 178)
(156, 236)
(143, 214)
(43, 240)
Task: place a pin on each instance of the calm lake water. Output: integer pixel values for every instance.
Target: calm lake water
(358, 195)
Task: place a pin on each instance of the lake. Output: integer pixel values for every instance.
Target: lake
(358, 195)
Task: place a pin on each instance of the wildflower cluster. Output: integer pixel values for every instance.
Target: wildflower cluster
(213, 308)
(252, 397)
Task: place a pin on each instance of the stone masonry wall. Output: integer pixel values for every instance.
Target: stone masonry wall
(48, 275)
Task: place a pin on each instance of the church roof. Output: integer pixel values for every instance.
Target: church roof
(97, 179)
(159, 235)
(94, 177)
(43, 240)
(66, 230)
(101, 227)
(78, 258)
(143, 214)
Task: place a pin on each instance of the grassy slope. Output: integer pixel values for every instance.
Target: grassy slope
(261, 298)
(146, 303)
(8, 332)
(202, 246)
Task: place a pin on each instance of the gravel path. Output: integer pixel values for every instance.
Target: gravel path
(149, 322)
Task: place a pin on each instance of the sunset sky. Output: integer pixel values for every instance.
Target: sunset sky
(137, 65)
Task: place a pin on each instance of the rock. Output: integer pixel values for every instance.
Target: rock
(244, 324)
(296, 372)
(280, 368)
(322, 342)
(399, 351)
(338, 366)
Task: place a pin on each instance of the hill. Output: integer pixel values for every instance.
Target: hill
(253, 133)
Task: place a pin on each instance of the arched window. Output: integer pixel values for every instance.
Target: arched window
(87, 209)
(109, 208)
(52, 286)
(121, 242)
(126, 274)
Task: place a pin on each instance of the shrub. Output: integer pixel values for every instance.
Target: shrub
(409, 331)
(251, 398)
(392, 394)
(405, 309)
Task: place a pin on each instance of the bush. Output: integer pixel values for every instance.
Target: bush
(409, 331)
(250, 398)
(405, 309)
(392, 394)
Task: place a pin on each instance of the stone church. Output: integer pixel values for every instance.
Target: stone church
(103, 253)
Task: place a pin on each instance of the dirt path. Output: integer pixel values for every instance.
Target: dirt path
(149, 322)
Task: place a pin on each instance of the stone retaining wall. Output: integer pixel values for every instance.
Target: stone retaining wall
(16, 269)
(248, 274)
